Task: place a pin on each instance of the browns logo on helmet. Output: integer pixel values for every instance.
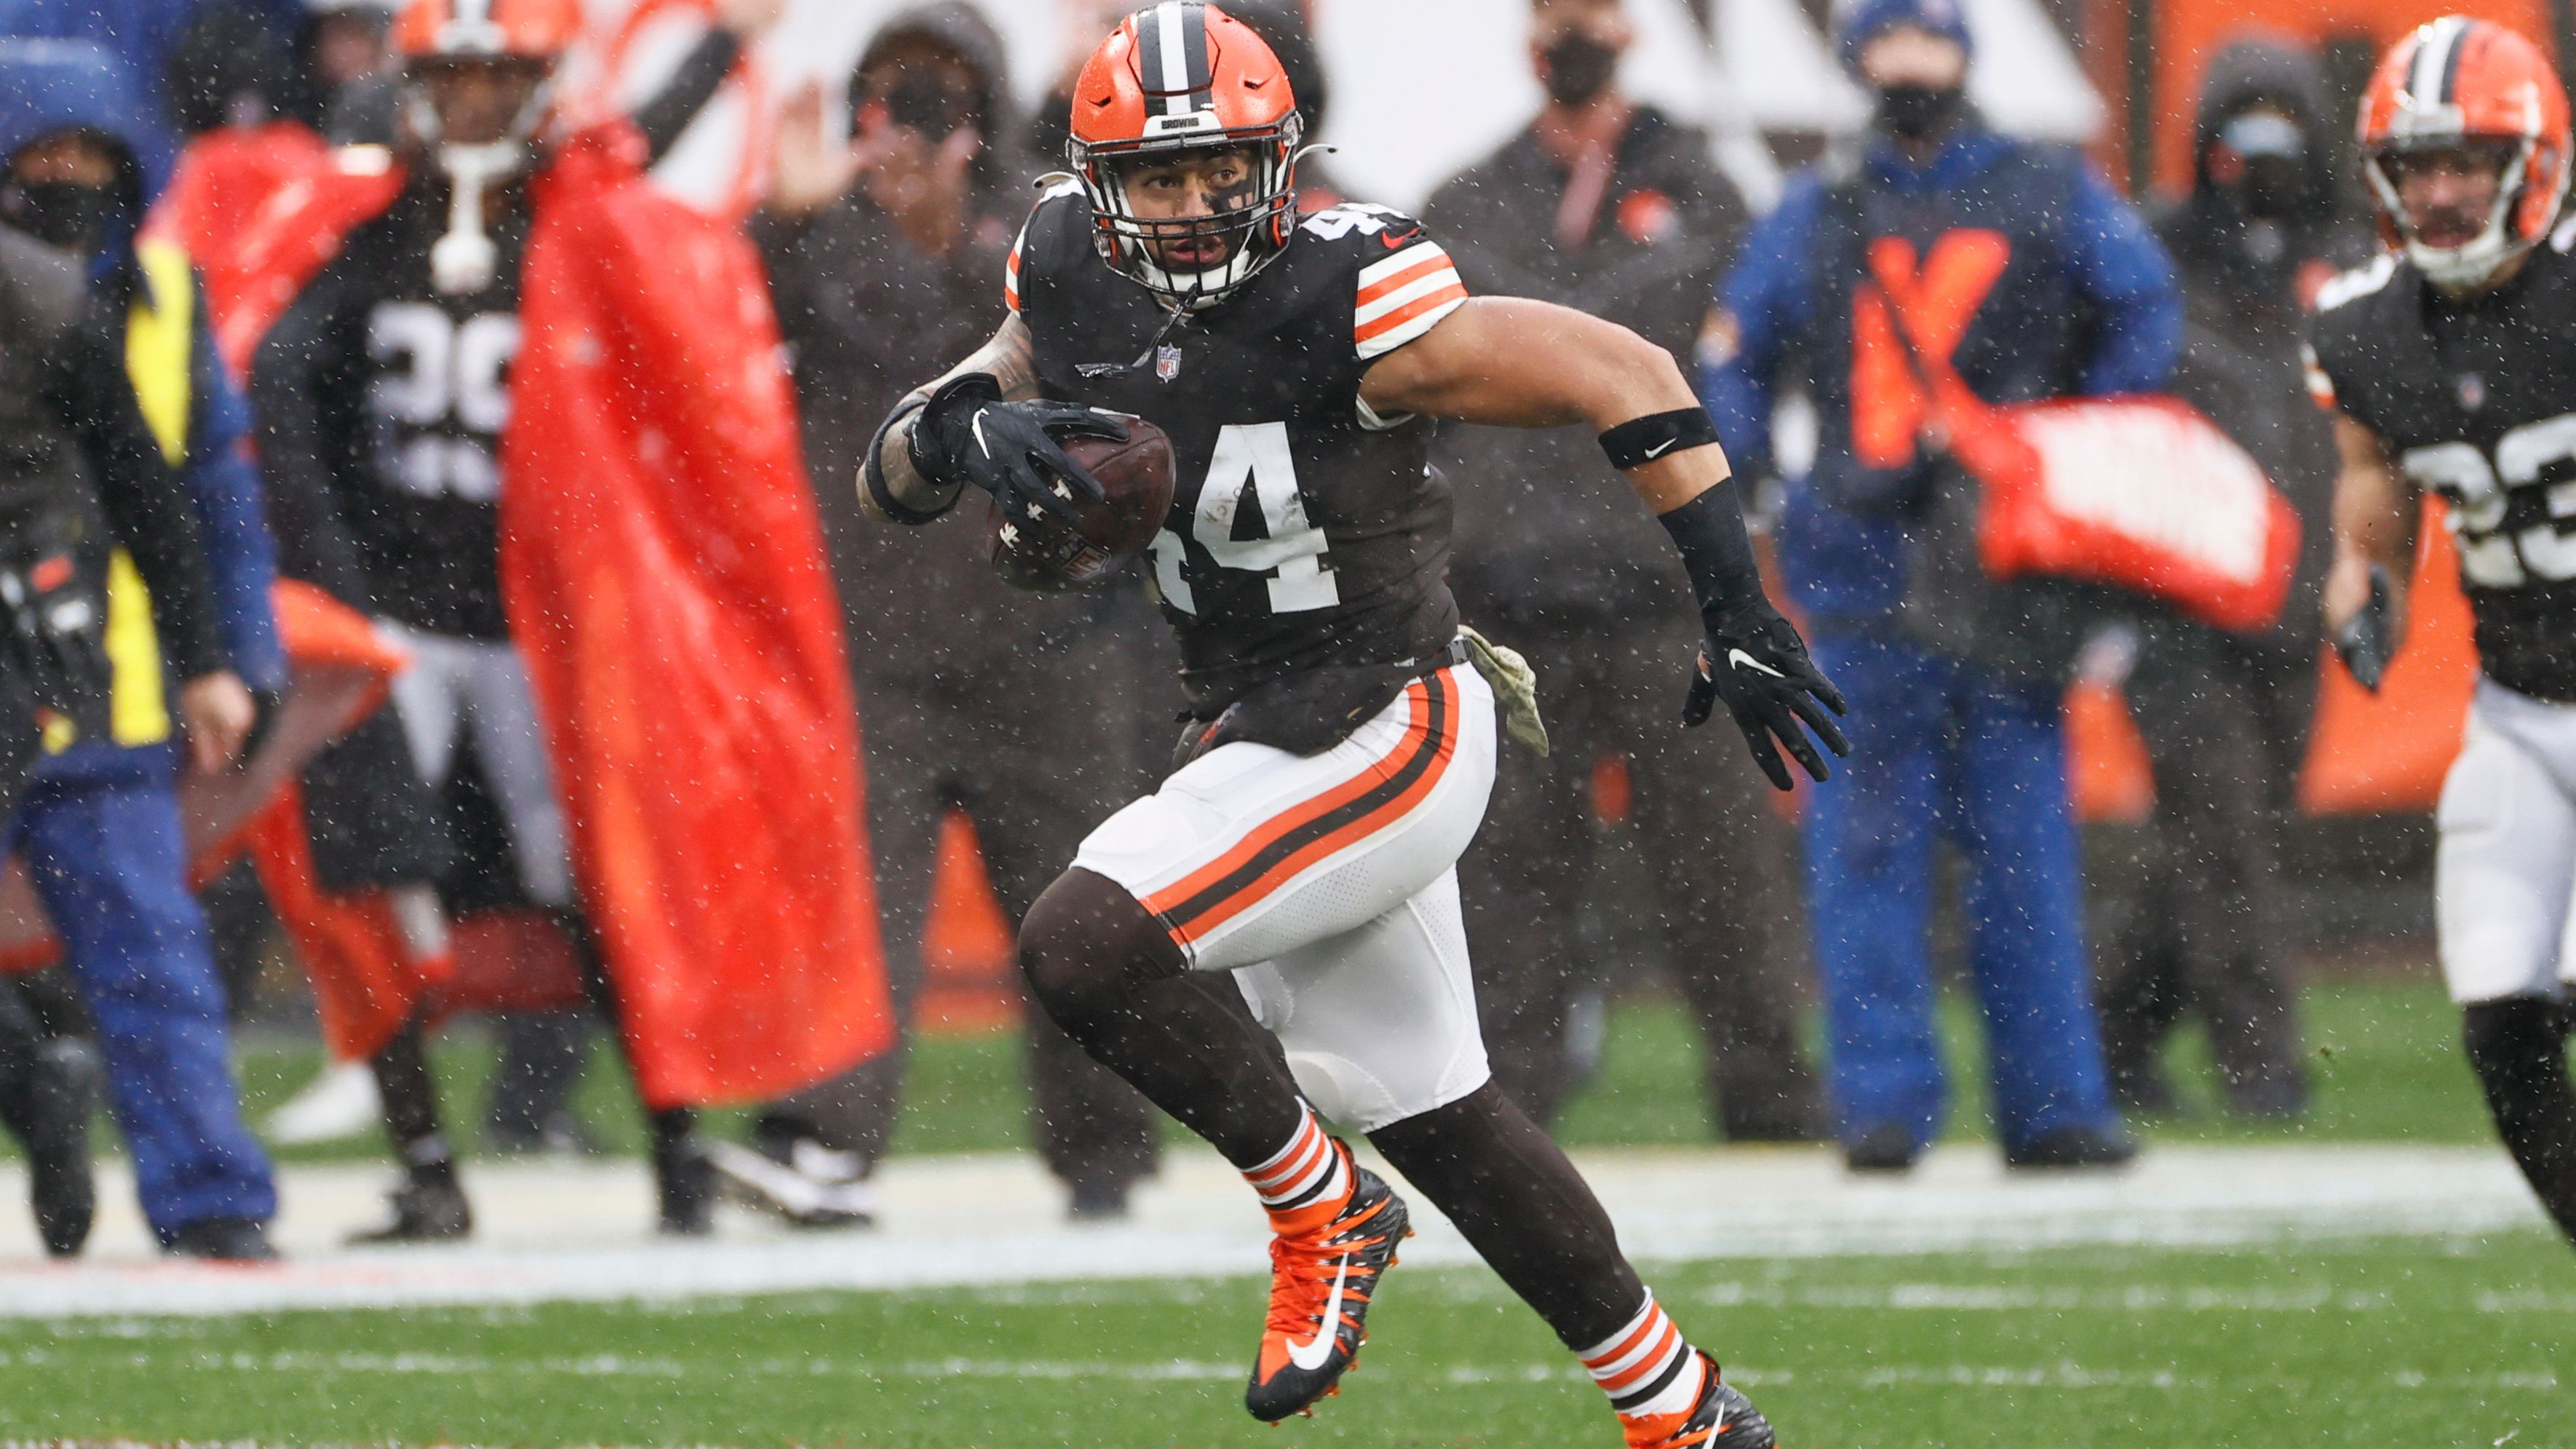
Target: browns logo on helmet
(479, 72)
(538, 30)
(1177, 80)
(2460, 86)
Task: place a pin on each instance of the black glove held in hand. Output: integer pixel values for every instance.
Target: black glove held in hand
(1760, 668)
(2364, 640)
(966, 433)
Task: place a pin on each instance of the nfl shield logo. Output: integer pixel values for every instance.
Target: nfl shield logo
(1167, 362)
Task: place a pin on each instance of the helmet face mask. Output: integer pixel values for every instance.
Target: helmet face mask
(473, 100)
(1185, 140)
(2454, 246)
(2457, 108)
(1193, 224)
(478, 73)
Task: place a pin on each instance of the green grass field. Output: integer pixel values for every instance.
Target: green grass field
(2462, 1342)
(2449, 1342)
(2384, 1059)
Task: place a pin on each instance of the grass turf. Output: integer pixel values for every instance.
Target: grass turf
(2384, 1060)
(2431, 1342)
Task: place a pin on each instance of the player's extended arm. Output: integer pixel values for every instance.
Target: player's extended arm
(1511, 362)
(2375, 511)
(981, 422)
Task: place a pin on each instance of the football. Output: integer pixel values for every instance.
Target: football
(1045, 556)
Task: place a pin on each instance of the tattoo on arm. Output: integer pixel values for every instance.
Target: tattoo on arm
(1011, 359)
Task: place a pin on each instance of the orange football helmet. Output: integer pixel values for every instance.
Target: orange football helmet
(2460, 83)
(539, 30)
(480, 136)
(1175, 77)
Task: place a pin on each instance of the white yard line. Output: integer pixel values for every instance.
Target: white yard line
(555, 1232)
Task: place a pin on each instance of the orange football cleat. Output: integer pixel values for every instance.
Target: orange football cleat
(1322, 1276)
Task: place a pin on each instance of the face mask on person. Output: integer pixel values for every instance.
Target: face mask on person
(63, 214)
(1579, 68)
(2261, 159)
(1916, 113)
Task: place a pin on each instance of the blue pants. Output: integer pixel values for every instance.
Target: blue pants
(1940, 749)
(100, 831)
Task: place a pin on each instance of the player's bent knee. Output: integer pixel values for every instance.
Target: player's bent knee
(1086, 945)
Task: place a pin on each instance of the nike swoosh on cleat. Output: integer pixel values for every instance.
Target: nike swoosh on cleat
(1738, 659)
(1311, 1355)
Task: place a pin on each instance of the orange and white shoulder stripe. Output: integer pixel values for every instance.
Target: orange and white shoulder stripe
(1057, 185)
(1404, 296)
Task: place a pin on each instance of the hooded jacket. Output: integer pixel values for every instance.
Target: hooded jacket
(1881, 540)
(79, 471)
(867, 316)
(1544, 523)
(2244, 289)
(2235, 283)
(146, 297)
(138, 38)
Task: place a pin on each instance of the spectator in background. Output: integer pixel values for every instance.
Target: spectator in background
(100, 826)
(887, 247)
(247, 63)
(2225, 716)
(1613, 208)
(1863, 276)
(341, 44)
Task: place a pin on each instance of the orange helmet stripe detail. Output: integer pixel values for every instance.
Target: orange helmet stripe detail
(529, 29)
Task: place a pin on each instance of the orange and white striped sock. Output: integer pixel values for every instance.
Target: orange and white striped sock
(1305, 1183)
(1647, 1367)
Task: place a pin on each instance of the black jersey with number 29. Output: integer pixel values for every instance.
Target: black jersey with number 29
(2476, 399)
(1304, 530)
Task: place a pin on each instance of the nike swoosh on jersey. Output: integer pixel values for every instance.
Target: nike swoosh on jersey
(1310, 1356)
(1738, 659)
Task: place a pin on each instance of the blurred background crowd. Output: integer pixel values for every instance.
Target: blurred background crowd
(2103, 819)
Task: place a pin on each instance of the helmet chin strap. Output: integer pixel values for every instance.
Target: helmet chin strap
(465, 260)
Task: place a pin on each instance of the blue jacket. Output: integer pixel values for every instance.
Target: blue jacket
(56, 85)
(140, 35)
(2065, 291)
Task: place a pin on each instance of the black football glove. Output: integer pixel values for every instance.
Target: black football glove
(1759, 666)
(2363, 640)
(967, 434)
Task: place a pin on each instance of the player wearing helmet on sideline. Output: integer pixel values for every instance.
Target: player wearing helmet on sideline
(2446, 366)
(1339, 757)
(384, 394)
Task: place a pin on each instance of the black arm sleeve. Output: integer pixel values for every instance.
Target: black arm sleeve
(1709, 532)
(300, 451)
(146, 504)
(702, 71)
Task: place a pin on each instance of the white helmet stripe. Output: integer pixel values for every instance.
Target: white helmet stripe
(1172, 56)
(2436, 61)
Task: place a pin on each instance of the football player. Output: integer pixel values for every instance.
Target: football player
(1339, 754)
(383, 394)
(2446, 366)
